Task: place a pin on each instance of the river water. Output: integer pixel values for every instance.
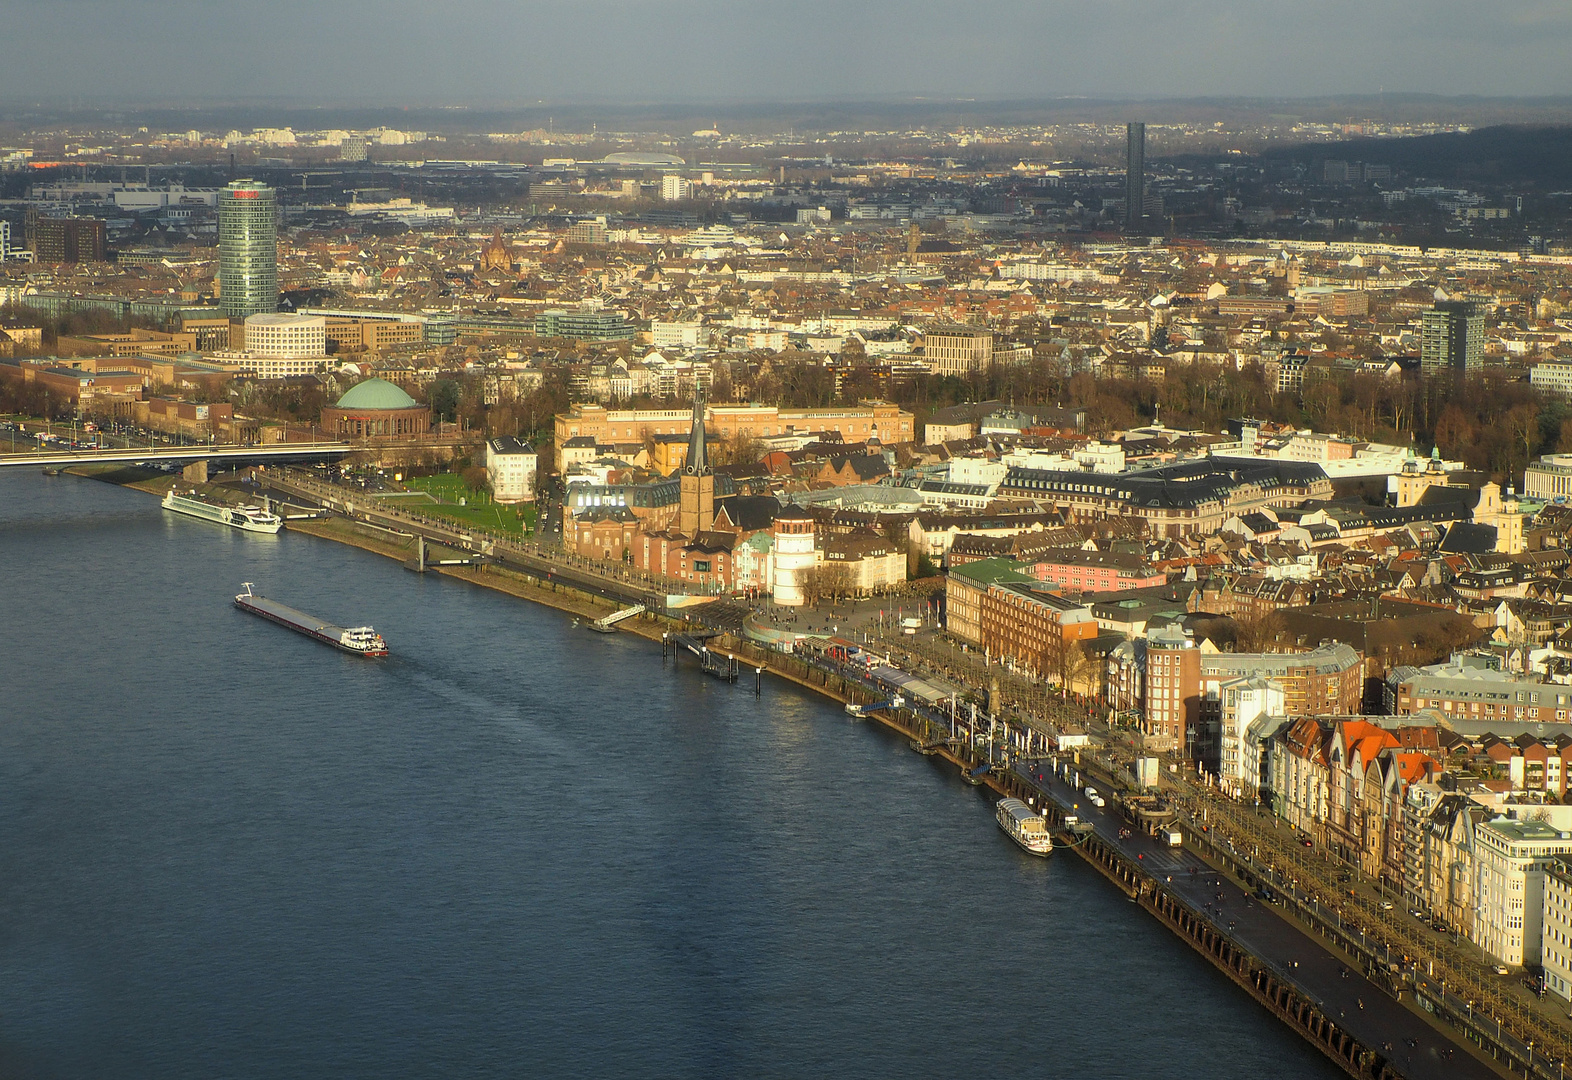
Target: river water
(514, 848)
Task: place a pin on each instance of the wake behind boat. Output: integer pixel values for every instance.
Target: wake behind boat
(360, 640)
(249, 518)
(1025, 826)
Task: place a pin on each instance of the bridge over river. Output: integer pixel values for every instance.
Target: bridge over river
(63, 459)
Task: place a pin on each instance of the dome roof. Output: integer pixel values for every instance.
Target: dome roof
(636, 158)
(376, 394)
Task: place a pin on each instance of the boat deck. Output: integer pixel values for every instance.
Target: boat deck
(294, 615)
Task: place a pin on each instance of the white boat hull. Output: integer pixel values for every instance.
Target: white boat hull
(1025, 826)
(246, 519)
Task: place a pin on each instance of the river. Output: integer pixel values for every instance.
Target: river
(514, 848)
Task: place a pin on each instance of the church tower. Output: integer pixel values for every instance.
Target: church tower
(696, 507)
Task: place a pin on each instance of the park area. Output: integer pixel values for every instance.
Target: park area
(443, 493)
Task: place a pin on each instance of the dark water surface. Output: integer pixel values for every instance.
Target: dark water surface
(512, 849)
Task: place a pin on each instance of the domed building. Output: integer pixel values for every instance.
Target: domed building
(376, 409)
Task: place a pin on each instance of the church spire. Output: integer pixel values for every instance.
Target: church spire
(698, 463)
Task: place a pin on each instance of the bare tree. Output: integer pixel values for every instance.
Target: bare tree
(1260, 632)
(1075, 668)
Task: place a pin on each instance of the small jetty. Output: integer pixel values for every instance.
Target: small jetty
(721, 665)
(976, 777)
(608, 625)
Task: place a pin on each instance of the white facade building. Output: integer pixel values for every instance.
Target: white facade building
(1510, 859)
(1549, 478)
(1243, 702)
(977, 470)
(274, 367)
(510, 467)
(285, 335)
(676, 335)
(675, 188)
(1556, 931)
(411, 213)
(1552, 377)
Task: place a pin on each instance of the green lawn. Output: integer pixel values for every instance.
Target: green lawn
(479, 510)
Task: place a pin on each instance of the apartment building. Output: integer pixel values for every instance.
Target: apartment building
(1511, 860)
(1464, 689)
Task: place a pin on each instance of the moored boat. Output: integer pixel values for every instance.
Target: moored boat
(247, 518)
(1025, 826)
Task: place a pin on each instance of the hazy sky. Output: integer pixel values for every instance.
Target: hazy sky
(458, 51)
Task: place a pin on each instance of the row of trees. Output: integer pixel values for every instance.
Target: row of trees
(1494, 421)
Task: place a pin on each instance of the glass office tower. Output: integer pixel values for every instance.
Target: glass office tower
(1134, 176)
(247, 249)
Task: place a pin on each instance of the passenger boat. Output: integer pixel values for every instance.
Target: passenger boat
(1025, 826)
(360, 640)
(248, 518)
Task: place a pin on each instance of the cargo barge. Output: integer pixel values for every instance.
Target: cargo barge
(360, 640)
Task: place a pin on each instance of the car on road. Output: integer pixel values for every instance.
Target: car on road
(1416, 913)
(1501, 969)
(1386, 905)
(1306, 841)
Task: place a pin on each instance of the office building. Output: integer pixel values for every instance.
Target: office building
(675, 188)
(582, 325)
(1452, 338)
(66, 240)
(1553, 377)
(956, 350)
(588, 232)
(286, 335)
(247, 249)
(1511, 858)
(1134, 175)
(354, 148)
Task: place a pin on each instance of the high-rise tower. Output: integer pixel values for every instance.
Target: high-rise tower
(696, 503)
(1452, 338)
(247, 249)
(1134, 176)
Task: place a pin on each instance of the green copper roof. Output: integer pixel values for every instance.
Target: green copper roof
(376, 394)
(991, 571)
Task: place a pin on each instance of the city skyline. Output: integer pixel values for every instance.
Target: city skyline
(487, 51)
